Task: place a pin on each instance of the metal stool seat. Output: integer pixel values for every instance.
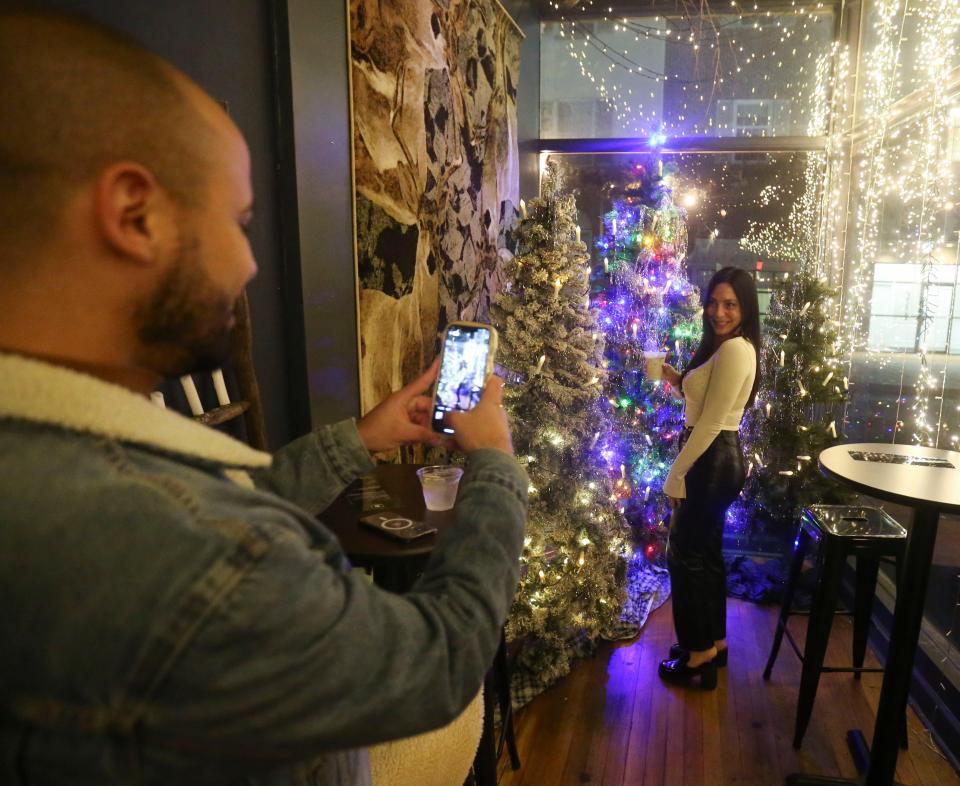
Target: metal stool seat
(840, 531)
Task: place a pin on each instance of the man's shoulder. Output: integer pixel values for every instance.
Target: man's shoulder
(55, 471)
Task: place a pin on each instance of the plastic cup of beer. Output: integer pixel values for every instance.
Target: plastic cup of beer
(654, 363)
(439, 485)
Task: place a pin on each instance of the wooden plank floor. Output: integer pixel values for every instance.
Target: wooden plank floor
(613, 722)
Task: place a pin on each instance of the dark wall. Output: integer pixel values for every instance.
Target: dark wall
(526, 15)
(320, 96)
(227, 48)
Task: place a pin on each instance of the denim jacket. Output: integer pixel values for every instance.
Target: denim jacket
(173, 613)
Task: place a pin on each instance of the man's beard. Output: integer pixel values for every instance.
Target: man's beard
(185, 326)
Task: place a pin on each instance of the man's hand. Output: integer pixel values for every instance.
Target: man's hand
(403, 417)
(484, 426)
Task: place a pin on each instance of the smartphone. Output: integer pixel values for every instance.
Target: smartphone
(465, 363)
(396, 526)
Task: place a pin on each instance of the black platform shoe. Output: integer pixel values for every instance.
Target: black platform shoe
(677, 671)
(721, 659)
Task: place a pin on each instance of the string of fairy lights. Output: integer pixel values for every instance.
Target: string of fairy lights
(905, 191)
(705, 64)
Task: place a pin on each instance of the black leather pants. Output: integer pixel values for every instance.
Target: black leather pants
(694, 557)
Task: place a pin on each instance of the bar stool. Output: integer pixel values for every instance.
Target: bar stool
(869, 535)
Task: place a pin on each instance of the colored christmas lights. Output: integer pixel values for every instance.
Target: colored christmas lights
(647, 305)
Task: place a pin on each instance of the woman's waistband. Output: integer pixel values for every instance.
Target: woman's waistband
(688, 429)
(728, 436)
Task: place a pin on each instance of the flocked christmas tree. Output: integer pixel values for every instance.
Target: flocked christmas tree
(574, 560)
(647, 305)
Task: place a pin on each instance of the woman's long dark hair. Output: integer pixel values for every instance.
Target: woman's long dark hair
(746, 291)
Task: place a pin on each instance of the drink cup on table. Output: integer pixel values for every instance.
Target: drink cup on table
(654, 364)
(439, 486)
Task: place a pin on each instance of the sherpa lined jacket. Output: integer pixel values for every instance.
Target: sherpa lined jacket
(164, 620)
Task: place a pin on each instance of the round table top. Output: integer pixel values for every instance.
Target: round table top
(872, 468)
(366, 546)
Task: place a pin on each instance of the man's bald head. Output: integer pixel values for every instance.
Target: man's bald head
(78, 97)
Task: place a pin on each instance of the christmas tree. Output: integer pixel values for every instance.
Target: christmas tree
(647, 305)
(799, 409)
(572, 583)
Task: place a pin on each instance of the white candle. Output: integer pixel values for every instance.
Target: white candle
(578, 233)
(543, 359)
(523, 209)
(782, 357)
(193, 399)
(832, 428)
(556, 286)
(634, 328)
(220, 387)
(157, 398)
(614, 227)
(804, 309)
(606, 265)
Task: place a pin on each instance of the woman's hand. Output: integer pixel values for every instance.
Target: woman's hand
(671, 375)
(675, 502)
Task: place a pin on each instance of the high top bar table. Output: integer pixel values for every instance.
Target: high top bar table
(928, 480)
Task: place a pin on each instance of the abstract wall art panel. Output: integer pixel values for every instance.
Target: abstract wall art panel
(434, 93)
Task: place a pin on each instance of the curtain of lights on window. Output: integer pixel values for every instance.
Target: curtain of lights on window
(749, 75)
(900, 276)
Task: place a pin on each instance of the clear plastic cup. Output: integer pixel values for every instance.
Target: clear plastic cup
(439, 486)
(654, 361)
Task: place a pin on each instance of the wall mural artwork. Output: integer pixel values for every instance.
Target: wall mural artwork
(436, 171)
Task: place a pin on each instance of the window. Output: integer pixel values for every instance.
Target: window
(953, 140)
(728, 75)
(574, 119)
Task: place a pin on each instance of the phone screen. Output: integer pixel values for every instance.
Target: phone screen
(463, 372)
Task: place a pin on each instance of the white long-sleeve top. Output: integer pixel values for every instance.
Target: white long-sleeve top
(716, 393)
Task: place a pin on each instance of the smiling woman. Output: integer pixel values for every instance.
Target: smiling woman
(708, 473)
(723, 311)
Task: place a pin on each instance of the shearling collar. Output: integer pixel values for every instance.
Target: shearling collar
(44, 393)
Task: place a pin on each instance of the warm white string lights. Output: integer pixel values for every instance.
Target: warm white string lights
(700, 67)
(904, 197)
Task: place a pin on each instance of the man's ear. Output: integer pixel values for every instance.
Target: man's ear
(128, 211)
